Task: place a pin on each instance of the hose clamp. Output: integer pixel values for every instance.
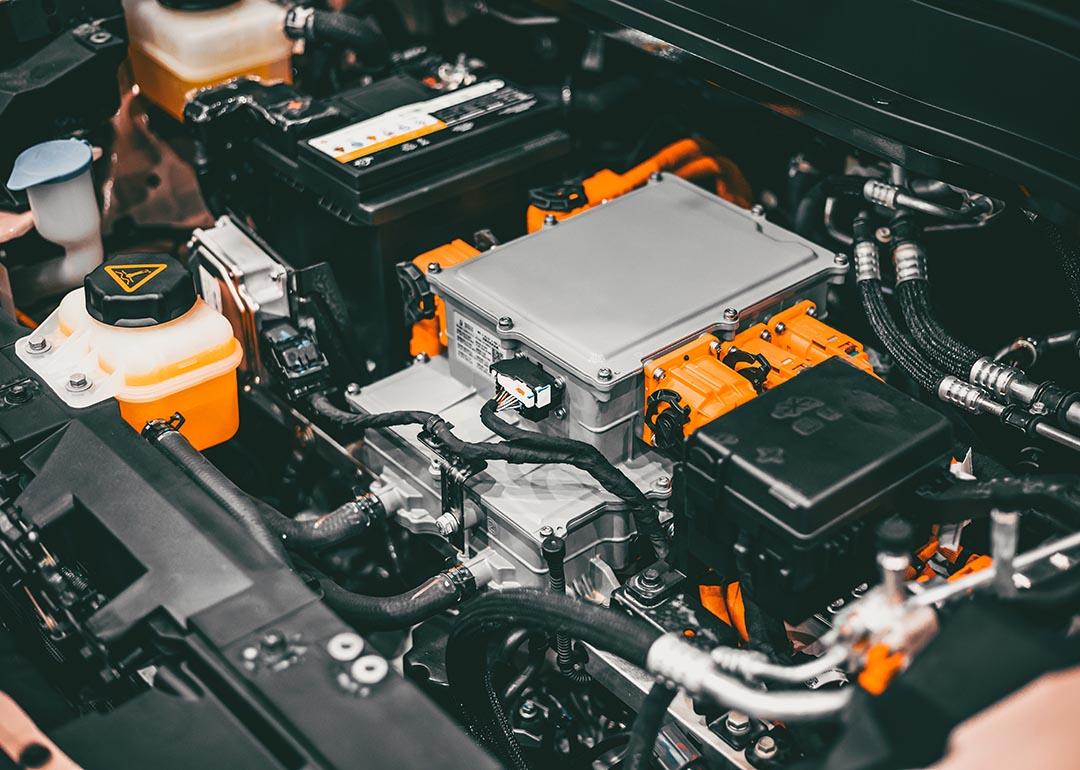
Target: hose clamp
(156, 428)
(953, 390)
(298, 22)
(910, 262)
(867, 262)
(992, 376)
(880, 193)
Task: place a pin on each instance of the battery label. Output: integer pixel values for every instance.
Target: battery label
(409, 124)
(475, 346)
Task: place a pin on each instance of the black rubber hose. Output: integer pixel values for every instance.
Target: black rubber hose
(1067, 251)
(646, 727)
(525, 447)
(344, 522)
(810, 213)
(358, 34)
(322, 405)
(382, 613)
(1053, 494)
(589, 459)
(881, 321)
(482, 626)
(239, 505)
(946, 351)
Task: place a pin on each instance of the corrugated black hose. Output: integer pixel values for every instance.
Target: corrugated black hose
(381, 613)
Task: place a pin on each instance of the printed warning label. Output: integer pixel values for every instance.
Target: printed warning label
(132, 277)
(475, 346)
(407, 126)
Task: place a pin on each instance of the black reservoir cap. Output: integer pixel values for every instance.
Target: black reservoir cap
(135, 290)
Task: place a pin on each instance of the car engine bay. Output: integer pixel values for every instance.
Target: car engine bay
(539, 383)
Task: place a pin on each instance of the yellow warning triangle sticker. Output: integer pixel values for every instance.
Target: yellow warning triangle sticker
(131, 277)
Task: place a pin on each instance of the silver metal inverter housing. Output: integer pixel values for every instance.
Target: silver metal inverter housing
(591, 298)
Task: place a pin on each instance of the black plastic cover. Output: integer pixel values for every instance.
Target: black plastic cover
(135, 290)
(797, 479)
(808, 454)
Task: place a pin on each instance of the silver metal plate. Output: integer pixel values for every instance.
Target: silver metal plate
(622, 281)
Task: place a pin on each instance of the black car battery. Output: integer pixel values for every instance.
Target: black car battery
(374, 175)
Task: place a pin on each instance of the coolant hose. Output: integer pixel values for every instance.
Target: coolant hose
(868, 278)
(945, 350)
(646, 727)
(1052, 493)
(361, 35)
(341, 523)
(381, 613)
(899, 347)
(238, 504)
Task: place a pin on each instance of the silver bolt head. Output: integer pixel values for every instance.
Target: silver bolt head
(883, 234)
(506, 323)
(658, 374)
(421, 358)
(766, 747)
(780, 328)
(604, 375)
(78, 382)
(766, 335)
(352, 388)
(840, 259)
(550, 220)
(447, 524)
(546, 531)
(757, 210)
(737, 723)
(663, 483)
(434, 267)
(731, 314)
(37, 344)
(656, 176)
(812, 311)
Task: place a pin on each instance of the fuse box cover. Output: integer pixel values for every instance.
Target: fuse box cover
(813, 452)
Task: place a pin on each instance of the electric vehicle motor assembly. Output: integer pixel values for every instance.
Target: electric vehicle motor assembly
(528, 384)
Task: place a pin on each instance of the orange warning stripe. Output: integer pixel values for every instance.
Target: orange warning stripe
(391, 142)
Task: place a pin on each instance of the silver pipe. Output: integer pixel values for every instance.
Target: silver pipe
(946, 591)
(674, 660)
(753, 665)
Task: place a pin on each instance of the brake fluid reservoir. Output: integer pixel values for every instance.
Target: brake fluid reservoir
(137, 332)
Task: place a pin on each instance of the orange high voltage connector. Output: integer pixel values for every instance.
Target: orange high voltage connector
(756, 341)
(688, 388)
(429, 334)
(798, 331)
(688, 158)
